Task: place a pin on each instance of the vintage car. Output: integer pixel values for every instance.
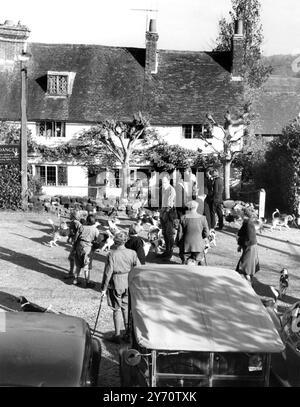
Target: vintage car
(286, 365)
(45, 349)
(196, 326)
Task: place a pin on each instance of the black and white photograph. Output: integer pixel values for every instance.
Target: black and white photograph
(150, 196)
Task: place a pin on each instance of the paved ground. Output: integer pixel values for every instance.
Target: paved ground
(30, 268)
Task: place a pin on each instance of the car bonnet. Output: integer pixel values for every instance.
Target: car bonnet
(40, 349)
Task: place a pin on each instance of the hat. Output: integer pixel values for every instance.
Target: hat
(75, 215)
(134, 229)
(120, 238)
(249, 213)
(192, 205)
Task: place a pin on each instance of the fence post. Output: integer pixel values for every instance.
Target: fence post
(262, 203)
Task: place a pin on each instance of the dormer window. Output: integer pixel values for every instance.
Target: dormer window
(60, 83)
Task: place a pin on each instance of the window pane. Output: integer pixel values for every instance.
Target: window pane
(62, 176)
(51, 175)
(41, 173)
(197, 133)
(58, 129)
(58, 84)
(52, 86)
(62, 84)
(49, 132)
(187, 130)
(41, 128)
(206, 132)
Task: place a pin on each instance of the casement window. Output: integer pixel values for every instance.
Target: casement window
(57, 83)
(52, 175)
(192, 131)
(49, 129)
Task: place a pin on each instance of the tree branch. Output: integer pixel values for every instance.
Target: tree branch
(112, 151)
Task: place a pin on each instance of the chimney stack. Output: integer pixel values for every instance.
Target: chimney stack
(151, 63)
(13, 39)
(237, 50)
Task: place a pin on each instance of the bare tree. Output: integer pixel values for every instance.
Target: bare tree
(229, 142)
(122, 140)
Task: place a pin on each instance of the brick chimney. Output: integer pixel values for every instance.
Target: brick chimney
(151, 64)
(13, 39)
(237, 51)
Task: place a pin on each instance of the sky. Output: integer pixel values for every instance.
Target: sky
(181, 24)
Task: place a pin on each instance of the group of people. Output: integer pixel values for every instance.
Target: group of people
(189, 230)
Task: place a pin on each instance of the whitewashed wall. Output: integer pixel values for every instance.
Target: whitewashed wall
(77, 182)
(174, 135)
(77, 175)
(72, 131)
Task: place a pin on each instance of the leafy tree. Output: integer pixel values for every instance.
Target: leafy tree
(254, 71)
(166, 157)
(10, 133)
(252, 157)
(282, 168)
(122, 141)
(10, 174)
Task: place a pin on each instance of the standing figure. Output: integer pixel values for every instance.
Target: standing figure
(73, 227)
(120, 262)
(87, 236)
(217, 201)
(168, 215)
(136, 243)
(248, 263)
(73, 234)
(190, 185)
(193, 229)
(208, 191)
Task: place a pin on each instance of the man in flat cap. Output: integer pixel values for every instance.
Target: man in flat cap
(120, 262)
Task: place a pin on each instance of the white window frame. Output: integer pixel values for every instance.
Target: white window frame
(192, 131)
(53, 128)
(46, 184)
(58, 74)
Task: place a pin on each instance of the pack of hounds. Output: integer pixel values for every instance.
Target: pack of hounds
(233, 211)
(145, 219)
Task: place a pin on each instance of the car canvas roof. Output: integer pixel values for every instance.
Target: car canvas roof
(192, 308)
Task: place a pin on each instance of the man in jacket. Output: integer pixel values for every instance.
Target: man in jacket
(217, 201)
(168, 214)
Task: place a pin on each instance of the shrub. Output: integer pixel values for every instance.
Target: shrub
(10, 186)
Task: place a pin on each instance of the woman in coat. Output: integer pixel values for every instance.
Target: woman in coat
(248, 263)
(193, 229)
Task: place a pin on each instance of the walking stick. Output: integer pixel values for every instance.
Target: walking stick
(205, 259)
(99, 309)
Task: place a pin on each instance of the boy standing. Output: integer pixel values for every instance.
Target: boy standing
(120, 262)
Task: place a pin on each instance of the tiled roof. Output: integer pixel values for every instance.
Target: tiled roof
(279, 100)
(111, 82)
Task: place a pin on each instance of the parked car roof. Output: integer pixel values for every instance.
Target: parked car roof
(41, 349)
(192, 308)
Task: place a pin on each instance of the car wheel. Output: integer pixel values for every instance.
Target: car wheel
(96, 358)
(124, 369)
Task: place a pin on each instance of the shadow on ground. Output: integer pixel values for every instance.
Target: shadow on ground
(32, 263)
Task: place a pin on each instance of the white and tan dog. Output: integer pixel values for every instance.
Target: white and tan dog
(109, 241)
(280, 220)
(58, 232)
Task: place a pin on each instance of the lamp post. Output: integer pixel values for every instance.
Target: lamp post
(23, 58)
